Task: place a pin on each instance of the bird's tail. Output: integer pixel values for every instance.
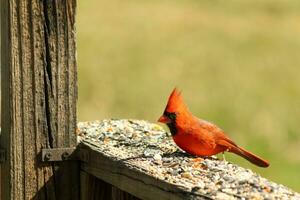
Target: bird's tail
(249, 156)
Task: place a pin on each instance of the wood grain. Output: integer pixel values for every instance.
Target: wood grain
(129, 179)
(39, 95)
(93, 188)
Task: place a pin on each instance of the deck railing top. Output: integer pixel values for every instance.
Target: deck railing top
(140, 158)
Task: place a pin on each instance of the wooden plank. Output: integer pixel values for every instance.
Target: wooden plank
(94, 188)
(128, 179)
(117, 194)
(39, 94)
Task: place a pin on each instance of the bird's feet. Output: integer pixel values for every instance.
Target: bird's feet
(224, 159)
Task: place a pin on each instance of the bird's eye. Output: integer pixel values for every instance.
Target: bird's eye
(171, 116)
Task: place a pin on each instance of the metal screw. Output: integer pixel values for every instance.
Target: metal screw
(65, 155)
(47, 156)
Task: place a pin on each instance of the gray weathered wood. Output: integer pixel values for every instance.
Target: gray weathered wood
(128, 179)
(39, 94)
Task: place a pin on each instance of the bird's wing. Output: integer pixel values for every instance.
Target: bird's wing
(202, 133)
(217, 133)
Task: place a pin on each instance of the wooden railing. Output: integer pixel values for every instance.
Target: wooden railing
(140, 158)
(114, 159)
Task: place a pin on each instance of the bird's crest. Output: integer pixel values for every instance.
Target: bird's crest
(175, 102)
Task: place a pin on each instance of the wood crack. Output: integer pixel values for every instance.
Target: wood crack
(34, 98)
(47, 75)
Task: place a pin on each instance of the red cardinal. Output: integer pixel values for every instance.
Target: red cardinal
(199, 137)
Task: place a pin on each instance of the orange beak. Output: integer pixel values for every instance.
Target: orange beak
(164, 119)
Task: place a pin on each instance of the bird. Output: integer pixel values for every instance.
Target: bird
(197, 136)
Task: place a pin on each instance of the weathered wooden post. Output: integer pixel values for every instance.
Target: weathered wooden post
(39, 94)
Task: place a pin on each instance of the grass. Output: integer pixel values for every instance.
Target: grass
(236, 61)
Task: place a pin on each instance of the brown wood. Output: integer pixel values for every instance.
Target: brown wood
(93, 188)
(39, 94)
(128, 179)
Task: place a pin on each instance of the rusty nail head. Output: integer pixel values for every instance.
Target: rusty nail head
(65, 155)
(47, 156)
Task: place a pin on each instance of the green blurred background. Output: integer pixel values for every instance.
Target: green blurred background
(236, 61)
